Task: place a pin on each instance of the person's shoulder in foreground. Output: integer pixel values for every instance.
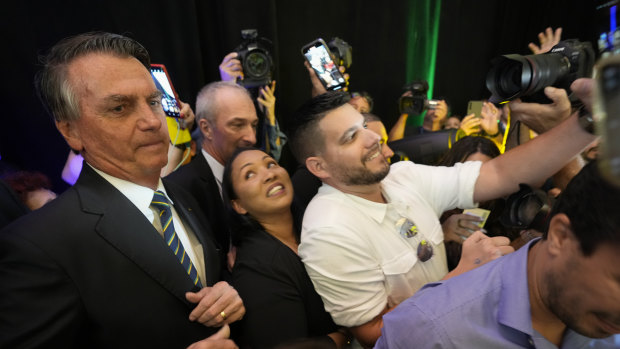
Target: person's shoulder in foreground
(558, 292)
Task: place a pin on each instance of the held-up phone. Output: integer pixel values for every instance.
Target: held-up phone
(475, 107)
(318, 55)
(170, 104)
(607, 116)
(169, 97)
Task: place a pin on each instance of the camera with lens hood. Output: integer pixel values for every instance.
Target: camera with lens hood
(256, 60)
(515, 76)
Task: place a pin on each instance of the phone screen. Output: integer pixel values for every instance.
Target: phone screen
(475, 107)
(327, 71)
(168, 99)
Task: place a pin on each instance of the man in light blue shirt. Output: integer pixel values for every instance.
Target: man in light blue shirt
(559, 292)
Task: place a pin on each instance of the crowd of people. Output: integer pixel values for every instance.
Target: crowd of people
(219, 246)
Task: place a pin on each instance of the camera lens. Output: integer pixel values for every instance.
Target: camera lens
(514, 76)
(256, 64)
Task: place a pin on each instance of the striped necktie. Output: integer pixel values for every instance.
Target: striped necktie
(161, 203)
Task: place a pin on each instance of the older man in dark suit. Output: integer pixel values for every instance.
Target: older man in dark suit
(121, 259)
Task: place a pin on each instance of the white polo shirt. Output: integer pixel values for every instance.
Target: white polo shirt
(353, 249)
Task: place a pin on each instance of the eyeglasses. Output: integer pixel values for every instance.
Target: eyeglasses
(407, 230)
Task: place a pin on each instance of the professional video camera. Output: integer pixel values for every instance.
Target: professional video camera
(342, 51)
(515, 76)
(416, 103)
(255, 56)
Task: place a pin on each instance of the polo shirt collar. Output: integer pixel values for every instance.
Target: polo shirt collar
(374, 210)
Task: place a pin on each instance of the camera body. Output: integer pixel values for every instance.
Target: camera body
(515, 76)
(342, 52)
(256, 60)
(416, 102)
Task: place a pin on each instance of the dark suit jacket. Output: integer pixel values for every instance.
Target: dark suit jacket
(89, 271)
(198, 180)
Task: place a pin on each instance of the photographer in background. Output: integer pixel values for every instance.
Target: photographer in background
(433, 119)
(271, 138)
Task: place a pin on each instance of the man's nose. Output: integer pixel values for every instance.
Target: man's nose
(149, 118)
(249, 135)
(371, 138)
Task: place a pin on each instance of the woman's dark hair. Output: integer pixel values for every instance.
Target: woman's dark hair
(467, 146)
(240, 224)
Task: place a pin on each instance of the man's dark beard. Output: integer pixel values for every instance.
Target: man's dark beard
(363, 176)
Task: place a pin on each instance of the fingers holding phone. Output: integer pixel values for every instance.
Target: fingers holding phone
(470, 124)
(318, 56)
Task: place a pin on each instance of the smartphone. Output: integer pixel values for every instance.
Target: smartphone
(169, 98)
(607, 116)
(475, 107)
(318, 55)
(170, 104)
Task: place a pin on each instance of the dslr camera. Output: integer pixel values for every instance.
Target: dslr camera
(515, 76)
(417, 102)
(256, 60)
(342, 52)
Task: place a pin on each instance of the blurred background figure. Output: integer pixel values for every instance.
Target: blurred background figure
(361, 101)
(33, 188)
(453, 122)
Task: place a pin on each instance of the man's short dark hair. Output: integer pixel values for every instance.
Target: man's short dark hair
(53, 81)
(305, 137)
(591, 203)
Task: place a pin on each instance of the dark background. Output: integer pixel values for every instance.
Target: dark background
(192, 36)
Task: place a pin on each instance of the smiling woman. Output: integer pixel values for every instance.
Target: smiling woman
(282, 306)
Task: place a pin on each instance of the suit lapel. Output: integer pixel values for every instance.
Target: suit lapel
(126, 228)
(206, 174)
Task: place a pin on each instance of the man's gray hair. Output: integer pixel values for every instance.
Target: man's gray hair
(53, 84)
(206, 101)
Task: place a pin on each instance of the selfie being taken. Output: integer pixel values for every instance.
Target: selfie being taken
(254, 174)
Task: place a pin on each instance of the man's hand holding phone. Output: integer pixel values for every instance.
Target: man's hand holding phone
(324, 70)
(470, 124)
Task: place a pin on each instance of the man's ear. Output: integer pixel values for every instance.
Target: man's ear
(318, 167)
(237, 207)
(206, 129)
(70, 132)
(560, 234)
